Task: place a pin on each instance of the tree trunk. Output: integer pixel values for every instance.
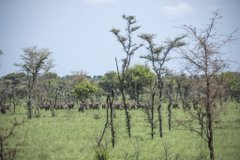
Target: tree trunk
(152, 115)
(52, 107)
(111, 123)
(29, 103)
(210, 138)
(209, 122)
(106, 123)
(127, 115)
(169, 116)
(13, 100)
(160, 119)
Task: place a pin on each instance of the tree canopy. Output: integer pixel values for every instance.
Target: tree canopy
(85, 89)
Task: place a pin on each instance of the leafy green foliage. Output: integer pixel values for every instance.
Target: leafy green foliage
(233, 84)
(138, 78)
(12, 87)
(35, 61)
(109, 81)
(85, 89)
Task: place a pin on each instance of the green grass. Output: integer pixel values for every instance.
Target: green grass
(74, 135)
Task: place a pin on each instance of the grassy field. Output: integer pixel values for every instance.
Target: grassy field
(73, 135)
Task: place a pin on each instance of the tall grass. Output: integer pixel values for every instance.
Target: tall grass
(74, 135)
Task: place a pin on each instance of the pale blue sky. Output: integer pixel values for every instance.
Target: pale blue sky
(77, 31)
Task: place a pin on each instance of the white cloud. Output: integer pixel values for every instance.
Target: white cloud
(96, 2)
(177, 10)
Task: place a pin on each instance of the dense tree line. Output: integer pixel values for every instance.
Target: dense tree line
(140, 84)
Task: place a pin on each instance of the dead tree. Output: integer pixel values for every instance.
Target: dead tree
(129, 49)
(203, 57)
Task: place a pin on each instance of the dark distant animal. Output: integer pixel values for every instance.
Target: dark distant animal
(70, 106)
(47, 107)
(94, 106)
(141, 105)
(43, 105)
(3, 109)
(59, 106)
(132, 106)
(175, 106)
(82, 107)
(104, 106)
(118, 106)
(186, 106)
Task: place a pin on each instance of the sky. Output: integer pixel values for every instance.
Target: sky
(77, 32)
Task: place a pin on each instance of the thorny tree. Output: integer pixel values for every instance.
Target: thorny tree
(6, 151)
(109, 101)
(129, 49)
(34, 63)
(170, 96)
(149, 108)
(204, 58)
(158, 56)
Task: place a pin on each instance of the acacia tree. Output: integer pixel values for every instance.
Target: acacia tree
(129, 49)
(84, 90)
(35, 62)
(109, 82)
(149, 108)
(204, 58)
(158, 56)
(138, 78)
(14, 83)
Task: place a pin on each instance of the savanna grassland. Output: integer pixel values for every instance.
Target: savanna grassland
(74, 135)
